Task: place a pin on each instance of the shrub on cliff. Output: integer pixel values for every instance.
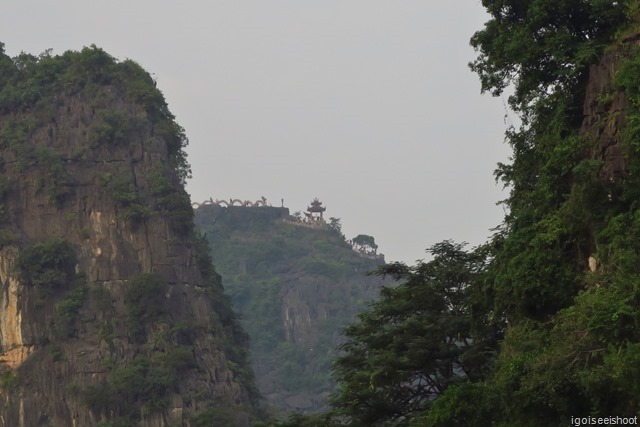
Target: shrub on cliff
(50, 264)
(145, 301)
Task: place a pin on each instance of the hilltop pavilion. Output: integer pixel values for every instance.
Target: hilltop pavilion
(316, 210)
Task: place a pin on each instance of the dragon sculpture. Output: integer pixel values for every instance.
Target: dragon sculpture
(233, 202)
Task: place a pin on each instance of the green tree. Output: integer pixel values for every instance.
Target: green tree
(567, 332)
(145, 301)
(413, 343)
(427, 353)
(50, 264)
(544, 49)
(28, 83)
(543, 46)
(365, 241)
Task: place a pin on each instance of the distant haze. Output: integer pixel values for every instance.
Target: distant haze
(367, 105)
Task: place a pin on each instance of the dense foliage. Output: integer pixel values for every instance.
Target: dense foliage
(49, 267)
(543, 46)
(50, 264)
(145, 303)
(34, 89)
(414, 342)
(552, 317)
(365, 241)
(28, 83)
(142, 383)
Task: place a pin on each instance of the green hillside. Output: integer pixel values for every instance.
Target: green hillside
(295, 287)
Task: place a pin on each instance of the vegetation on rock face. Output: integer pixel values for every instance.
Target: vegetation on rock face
(121, 188)
(172, 202)
(145, 380)
(48, 266)
(7, 237)
(31, 89)
(295, 288)
(235, 340)
(543, 47)
(545, 322)
(145, 302)
(142, 386)
(68, 309)
(92, 179)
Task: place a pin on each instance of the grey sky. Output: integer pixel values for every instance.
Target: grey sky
(367, 105)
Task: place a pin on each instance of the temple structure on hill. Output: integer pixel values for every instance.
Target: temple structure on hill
(315, 212)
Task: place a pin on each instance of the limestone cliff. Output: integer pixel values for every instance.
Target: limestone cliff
(111, 313)
(296, 286)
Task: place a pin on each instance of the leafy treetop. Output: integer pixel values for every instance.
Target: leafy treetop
(27, 80)
(542, 46)
(365, 240)
(414, 342)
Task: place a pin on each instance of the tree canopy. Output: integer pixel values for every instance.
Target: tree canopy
(542, 323)
(366, 241)
(542, 46)
(28, 83)
(413, 343)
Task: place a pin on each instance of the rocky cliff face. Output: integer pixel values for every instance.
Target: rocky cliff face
(296, 287)
(603, 111)
(111, 313)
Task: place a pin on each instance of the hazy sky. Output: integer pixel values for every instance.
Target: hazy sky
(367, 105)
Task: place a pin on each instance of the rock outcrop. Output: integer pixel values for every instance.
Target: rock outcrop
(137, 331)
(605, 108)
(604, 115)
